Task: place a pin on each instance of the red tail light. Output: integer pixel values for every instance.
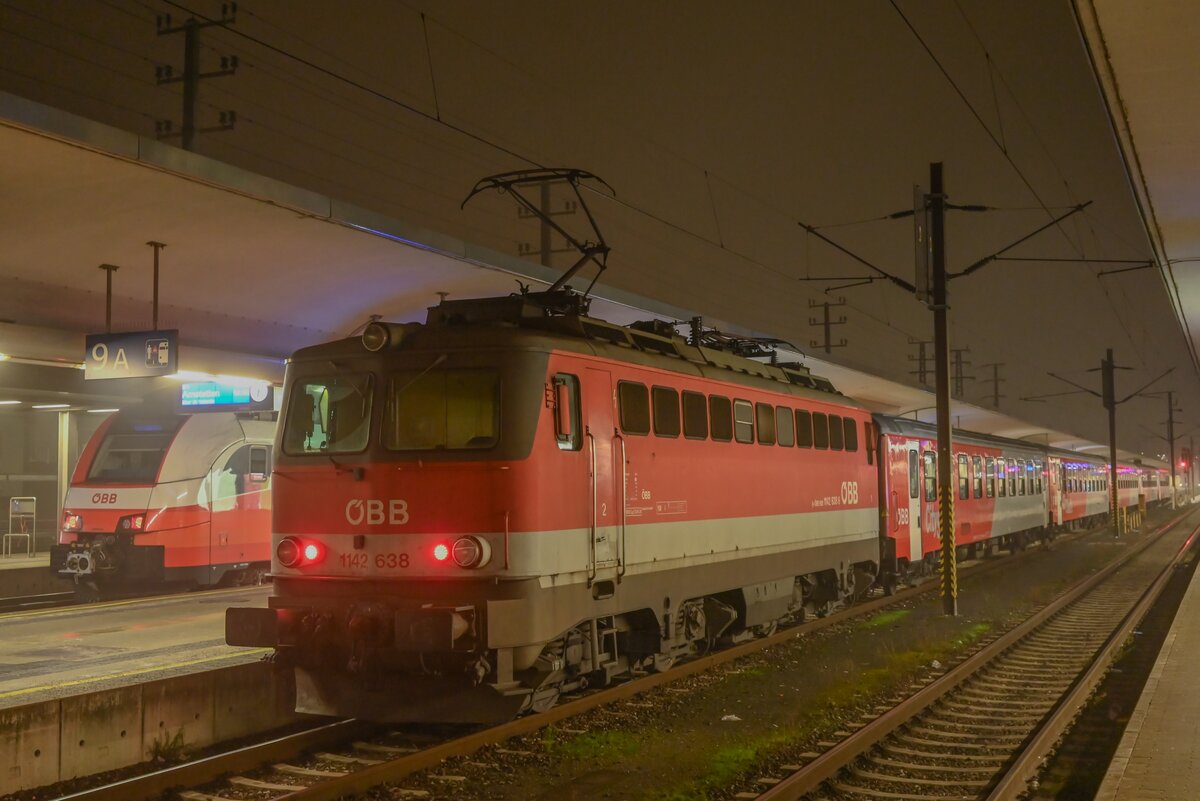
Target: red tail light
(131, 523)
(72, 521)
(291, 552)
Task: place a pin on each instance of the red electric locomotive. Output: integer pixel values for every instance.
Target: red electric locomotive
(168, 499)
(514, 500)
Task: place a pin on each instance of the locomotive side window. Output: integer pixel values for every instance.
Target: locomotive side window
(835, 432)
(695, 416)
(804, 429)
(964, 478)
(743, 421)
(930, 476)
(850, 434)
(567, 428)
(820, 427)
(914, 480)
(977, 476)
(666, 412)
(442, 410)
(720, 415)
(329, 414)
(785, 426)
(990, 476)
(1001, 477)
(634, 403)
(764, 419)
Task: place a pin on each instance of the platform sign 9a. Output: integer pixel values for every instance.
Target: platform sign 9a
(136, 354)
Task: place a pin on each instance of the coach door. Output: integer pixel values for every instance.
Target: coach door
(910, 514)
(606, 453)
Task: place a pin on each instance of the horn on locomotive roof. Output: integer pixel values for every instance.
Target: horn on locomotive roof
(512, 182)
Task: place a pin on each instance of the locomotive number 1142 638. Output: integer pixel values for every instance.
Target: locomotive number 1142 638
(382, 561)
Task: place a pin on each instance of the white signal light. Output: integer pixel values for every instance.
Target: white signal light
(440, 552)
(311, 552)
(288, 552)
(471, 552)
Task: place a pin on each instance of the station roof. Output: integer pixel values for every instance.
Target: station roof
(254, 268)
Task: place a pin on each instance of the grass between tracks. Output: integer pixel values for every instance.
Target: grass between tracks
(748, 758)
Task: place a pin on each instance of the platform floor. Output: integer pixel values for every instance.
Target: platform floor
(50, 653)
(1158, 758)
(23, 562)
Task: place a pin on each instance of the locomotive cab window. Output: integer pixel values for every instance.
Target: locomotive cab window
(695, 416)
(133, 449)
(764, 419)
(720, 416)
(442, 410)
(329, 414)
(743, 421)
(666, 412)
(633, 400)
(567, 433)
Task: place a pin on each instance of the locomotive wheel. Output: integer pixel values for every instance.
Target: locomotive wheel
(543, 698)
(661, 663)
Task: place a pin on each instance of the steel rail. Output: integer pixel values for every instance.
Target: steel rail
(1028, 764)
(832, 762)
(200, 772)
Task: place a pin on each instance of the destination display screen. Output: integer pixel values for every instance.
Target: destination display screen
(215, 396)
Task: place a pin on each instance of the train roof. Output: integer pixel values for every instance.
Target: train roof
(526, 321)
(889, 424)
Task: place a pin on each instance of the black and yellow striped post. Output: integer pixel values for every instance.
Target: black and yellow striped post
(941, 347)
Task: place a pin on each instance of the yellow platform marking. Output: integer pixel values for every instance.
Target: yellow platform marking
(128, 673)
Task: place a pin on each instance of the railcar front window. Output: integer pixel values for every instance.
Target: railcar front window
(329, 414)
(442, 410)
(133, 450)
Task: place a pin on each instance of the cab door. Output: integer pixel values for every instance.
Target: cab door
(606, 455)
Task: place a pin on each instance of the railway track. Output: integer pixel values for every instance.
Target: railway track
(982, 729)
(346, 757)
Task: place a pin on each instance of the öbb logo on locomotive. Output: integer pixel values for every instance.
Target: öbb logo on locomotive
(502, 546)
(371, 511)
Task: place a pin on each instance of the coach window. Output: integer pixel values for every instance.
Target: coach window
(1002, 481)
(1012, 478)
(914, 479)
(633, 400)
(1034, 473)
(695, 416)
(930, 476)
(567, 431)
(785, 426)
(977, 475)
(820, 430)
(1020, 476)
(990, 475)
(835, 433)
(260, 462)
(804, 429)
(764, 418)
(850, 434)
(666, 412)
(720, 417)
(964, 479)
(743, 421)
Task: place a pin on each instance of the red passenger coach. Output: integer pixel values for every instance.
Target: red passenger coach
(1000, 493)
(160, 498)
(515, 500)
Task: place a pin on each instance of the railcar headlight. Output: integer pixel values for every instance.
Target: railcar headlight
(131, 523)
(471, 552)
(288, 552)
(72, 521)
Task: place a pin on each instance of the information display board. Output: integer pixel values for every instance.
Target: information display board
(217, 396)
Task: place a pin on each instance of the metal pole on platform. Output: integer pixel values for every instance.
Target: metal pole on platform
(109, 269)
(941, 346)
(158, 246)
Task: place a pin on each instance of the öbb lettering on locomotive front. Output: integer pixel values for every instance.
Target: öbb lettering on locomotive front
(376, 512)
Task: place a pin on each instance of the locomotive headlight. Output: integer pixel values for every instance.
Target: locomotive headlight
(470, 552)
(375, 337)
(440, 552)
(288, 552)
(131, 523)
(312, 552)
